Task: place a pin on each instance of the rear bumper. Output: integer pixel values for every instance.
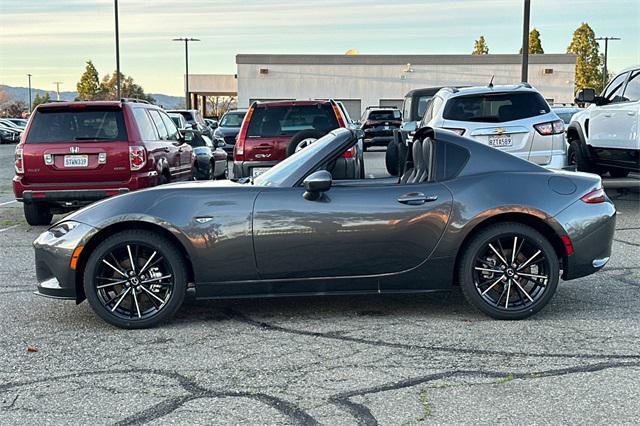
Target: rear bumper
(71, 195)
(377, 140)
(590, 228)
(243, 168)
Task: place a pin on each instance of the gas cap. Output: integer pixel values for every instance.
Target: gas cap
(562, 185)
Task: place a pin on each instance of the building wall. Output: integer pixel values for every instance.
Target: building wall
(372, 78)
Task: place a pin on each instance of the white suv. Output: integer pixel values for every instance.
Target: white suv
(606, 136)
(515, 119)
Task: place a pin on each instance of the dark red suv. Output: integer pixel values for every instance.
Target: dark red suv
(272, 131)
(74, 153)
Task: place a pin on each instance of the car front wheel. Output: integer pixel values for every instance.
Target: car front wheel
(135, 279)
(509, 271)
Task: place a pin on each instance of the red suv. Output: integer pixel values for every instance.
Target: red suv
(74, 153)
(272, 131)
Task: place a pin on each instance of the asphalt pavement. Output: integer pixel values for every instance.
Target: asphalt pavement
(331, 360)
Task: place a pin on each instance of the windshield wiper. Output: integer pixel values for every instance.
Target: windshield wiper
(88, 138)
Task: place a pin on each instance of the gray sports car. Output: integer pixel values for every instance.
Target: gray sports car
(462, 213)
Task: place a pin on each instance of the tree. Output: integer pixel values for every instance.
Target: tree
(128, 88)
(480, 47)
(14, 109)
(41, 99)
(217, 106)
(535, 45)
(588, 60)
(89, 85)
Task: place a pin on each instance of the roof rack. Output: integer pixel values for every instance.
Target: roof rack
(382, 107)
(135, 100)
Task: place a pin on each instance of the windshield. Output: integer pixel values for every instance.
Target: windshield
(232, 119)
(278, 173)
(495, 107)
(271, 121)
(64, 125)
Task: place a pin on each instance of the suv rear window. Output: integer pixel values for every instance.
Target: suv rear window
(87, 124)
(273, 121)
(495, 107)
(392, 114)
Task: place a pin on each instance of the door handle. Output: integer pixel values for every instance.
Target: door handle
(416, 198)
(632, 113)
(181, 150)
(166, 150)
(606, 115)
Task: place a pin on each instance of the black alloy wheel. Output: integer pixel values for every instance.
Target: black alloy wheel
(509, 271)
(135, 279)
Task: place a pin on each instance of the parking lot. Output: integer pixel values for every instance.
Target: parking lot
(333, 360)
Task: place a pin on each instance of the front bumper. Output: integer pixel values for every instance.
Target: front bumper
(53, 259)
(590, 228)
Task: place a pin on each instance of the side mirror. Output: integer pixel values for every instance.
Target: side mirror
(187, 136)
(220, 143)
(586, 96)
(316, 183)
(214, 125)
(194, 126)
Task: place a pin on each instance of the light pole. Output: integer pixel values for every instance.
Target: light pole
(57, 83)
(187, 96)
(605, 73)
(118, 93)
(29, 75)
(525, 42)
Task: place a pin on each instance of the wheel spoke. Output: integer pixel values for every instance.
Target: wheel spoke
(111, 284)
(529, 260)
(108, 279)
(156, 279)
(506, 303)
(498, 254)
(114, 268)
(491, 286)
(523, 290)
(497, 271)
(135, 299)
(148, 261)
(524, 274)
(513, 252)
(133, 266)
(121, 299)
(152, 295)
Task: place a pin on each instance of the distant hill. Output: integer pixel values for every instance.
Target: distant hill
(22, 94)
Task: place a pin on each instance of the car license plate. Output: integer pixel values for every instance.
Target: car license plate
(76, 160)
(257, 171)
(499, 141)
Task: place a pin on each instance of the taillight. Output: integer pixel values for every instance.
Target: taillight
(19, 161)
(460, 132)
(137, 157)
(550, 127)
(594, 197)
(238, 149)
(338, 113)
(350, 153)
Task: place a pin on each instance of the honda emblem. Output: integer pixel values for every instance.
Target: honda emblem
(74, 149)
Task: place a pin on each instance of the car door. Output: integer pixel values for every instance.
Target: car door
(169, 148)
(185, 151)
(630, 131)
(607, 121)
(355, 229)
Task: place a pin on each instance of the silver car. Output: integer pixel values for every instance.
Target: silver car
(515, 119)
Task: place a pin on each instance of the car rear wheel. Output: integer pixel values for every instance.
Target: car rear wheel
(303, 139)
(37, 214)
(577, 158)
(135, 279)
(509, 271)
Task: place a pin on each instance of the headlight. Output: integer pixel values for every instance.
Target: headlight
(63, 228)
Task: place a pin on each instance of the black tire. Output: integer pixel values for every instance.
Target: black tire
(533, 293)
(163, 179)
(37, 214)
(577, 157)
(224, 175)
(300, 136)
(168, 257)
(392, 158)
(618, 173)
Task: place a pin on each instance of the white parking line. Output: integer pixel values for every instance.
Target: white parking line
(11, 227)
(8, 202)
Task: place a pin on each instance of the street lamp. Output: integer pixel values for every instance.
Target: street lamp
(605, 74)
(525, 42)
(186, 40)
(117, 52)
(29, 75)
(57, 83)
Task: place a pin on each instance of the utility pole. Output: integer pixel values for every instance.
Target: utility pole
(57, 83)
(525, 42)
(118, 92)
(187, 95)
(30, 102)
(605, 73)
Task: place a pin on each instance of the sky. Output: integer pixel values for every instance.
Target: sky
(52, 39)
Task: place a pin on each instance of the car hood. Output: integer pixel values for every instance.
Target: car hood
(226, 131)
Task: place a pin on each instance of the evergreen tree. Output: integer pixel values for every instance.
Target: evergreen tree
(128, 88)
(588, 60)
(480, 47)
(41, 99)
(535, 44)
(89, 85)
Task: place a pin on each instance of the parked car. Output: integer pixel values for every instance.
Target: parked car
(211, 123)
(273, 131)
(74, 153)
(20, 122)
(6, 122)
(565, 112)
(9, 134)
(195, 120)
(179, 121)
(228, 129)
(512, 118)
(605, 136)
(378, 125)
(460, 215)
(211, 160)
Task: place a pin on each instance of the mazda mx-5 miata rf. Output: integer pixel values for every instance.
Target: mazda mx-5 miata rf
(462, 213)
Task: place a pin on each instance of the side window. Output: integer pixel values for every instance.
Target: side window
(157, 120)
(145, 126)
(613, 92)
(406, 109)
(436, 105)
(632, 92)
(432, 109)
(174, 135)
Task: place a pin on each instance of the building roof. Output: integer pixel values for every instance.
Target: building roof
(269, 59)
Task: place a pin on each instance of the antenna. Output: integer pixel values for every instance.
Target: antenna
(491, 82)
